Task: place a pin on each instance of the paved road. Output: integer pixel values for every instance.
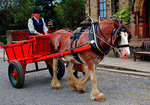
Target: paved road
(120, 89)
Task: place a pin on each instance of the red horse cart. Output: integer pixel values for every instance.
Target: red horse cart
(36, 49)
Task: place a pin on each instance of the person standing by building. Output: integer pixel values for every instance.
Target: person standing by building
(36, 24)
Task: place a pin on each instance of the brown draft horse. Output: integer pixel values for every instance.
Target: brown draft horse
(106, 39)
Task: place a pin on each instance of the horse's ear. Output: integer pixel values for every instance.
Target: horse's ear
(116, 26)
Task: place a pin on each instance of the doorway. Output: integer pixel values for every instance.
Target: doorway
(146, 19)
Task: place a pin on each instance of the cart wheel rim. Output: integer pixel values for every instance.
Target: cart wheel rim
(13, 75)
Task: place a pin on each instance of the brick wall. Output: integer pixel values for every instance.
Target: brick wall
(122, 4)
(94, 9)
(108, 9)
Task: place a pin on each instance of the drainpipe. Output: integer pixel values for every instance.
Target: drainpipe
(137, 23)
(89, 8)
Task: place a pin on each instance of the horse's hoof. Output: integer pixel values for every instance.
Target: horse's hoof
(101, 98)
(73, 86)
(98, 97)
(56, 86)
(80, 88)
(81, 91)
(72, 83)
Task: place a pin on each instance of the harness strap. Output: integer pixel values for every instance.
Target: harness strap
(101, 32)
(119, 46)
(59, 41)
(75, 38)
(76, 56)
(94, 42)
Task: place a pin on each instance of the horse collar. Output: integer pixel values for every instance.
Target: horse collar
(94, 42)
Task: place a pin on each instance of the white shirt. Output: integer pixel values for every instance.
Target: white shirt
(31, 26)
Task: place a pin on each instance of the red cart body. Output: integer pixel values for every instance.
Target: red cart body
(28, 50)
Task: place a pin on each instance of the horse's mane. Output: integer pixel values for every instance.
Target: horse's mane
(116, 19)
(112, 19)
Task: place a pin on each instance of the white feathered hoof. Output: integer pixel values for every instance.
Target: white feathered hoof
(80, 88)
(97, 96)
(55, 84)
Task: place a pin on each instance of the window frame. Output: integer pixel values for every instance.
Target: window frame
(103, 10)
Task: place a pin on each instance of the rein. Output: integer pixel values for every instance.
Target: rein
(104, 40)
(94, 42)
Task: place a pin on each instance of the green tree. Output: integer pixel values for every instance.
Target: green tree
(47, 11)
(69, 13)
(21, 13)
(5, 9)
(14, 14)
(124, 14)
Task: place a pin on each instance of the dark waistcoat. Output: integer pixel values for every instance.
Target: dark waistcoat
(38, 26)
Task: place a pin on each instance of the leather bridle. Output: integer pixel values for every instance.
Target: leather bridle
(116, 34)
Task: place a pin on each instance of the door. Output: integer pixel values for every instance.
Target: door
(146, 19)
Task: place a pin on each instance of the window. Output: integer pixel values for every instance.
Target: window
(102, 8)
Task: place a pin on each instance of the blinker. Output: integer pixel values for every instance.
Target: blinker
(118, 36)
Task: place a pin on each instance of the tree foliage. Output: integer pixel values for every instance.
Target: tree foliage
(15, 14)
(69, 13)
(47, 11)
(5, 18)
(124, 14)
(22, 11)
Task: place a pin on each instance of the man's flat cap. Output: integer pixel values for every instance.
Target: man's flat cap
(36, 11)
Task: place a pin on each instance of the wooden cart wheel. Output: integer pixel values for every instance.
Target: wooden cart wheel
(60, 69)
(16, 74)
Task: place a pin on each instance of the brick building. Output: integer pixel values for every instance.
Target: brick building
(139, 14)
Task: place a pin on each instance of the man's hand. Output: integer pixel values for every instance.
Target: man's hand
(37, 33)
(45, 33)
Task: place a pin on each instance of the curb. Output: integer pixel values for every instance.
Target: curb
(120, 68)
(123, 70)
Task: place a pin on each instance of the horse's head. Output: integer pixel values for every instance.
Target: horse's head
(121, 40)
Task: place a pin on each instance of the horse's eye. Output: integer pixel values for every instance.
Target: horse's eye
(118, 37)
(119, 32)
